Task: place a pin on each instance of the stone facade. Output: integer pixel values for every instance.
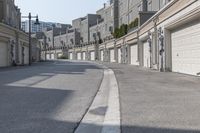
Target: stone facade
(60, 41)
(129, 9)
(13, 46)
(98, 28)
(10, 14)
(73, 37)
(106, 24)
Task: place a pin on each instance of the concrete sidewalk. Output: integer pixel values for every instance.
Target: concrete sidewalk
(154, 102)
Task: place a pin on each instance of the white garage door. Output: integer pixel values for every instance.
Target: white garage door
(70, 56)
(84, 56)
(101, 52)
(79, 56)
(48, 56)
(92, 56)
(146, 55)
(53, 57)
(59, 55)
(112, 55)
(3, 54)
(134, 54)
(186, 49)
(119, 55)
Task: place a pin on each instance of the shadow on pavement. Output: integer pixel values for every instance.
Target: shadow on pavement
(50, 68)
(27, 108)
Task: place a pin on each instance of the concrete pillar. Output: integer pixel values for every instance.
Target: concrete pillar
(140, 52)
(168, 50)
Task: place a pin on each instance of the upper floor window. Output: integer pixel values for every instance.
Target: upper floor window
(121, 19)
(139, 7)
(49, 39)
(106, 27)
(150, 5)
(112, 12)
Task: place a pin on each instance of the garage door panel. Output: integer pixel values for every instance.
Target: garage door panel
(70, 56)
(79, 56)
(48, 56)
(186, 49)
(92, 56)
(53, 57)
(134, 54)
(101, 55)
(83, 55)
(146, 55)
(119, 55)
(112, 55)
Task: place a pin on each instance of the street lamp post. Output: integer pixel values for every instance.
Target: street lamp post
(29, 34)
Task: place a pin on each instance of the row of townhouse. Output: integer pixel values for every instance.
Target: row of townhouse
(53, 41)
(14, 49)
(96, 27)
(112, 16)
(167, 41)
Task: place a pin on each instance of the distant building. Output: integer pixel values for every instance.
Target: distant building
(83, 24)
(41, 27)
(105, 25)
(129, 9)
(98, 28)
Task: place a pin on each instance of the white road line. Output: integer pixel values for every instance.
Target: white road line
(108, 96)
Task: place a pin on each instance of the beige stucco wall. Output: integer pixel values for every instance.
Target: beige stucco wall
(12, 38)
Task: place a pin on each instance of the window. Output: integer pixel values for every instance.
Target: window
(130, 16)
(49, 39)
(106, 27)
(121, 20)
(112, 12)
(139, 7)
(150, 5)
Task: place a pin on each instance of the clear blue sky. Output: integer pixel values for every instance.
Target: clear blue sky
(62, 11)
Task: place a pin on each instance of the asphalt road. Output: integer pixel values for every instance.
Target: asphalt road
(47, 97)
(53, 97)
(156, 102)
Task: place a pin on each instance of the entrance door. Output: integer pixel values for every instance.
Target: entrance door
(134, 54)
(92, 55)
(79, 55)
(112, 55)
